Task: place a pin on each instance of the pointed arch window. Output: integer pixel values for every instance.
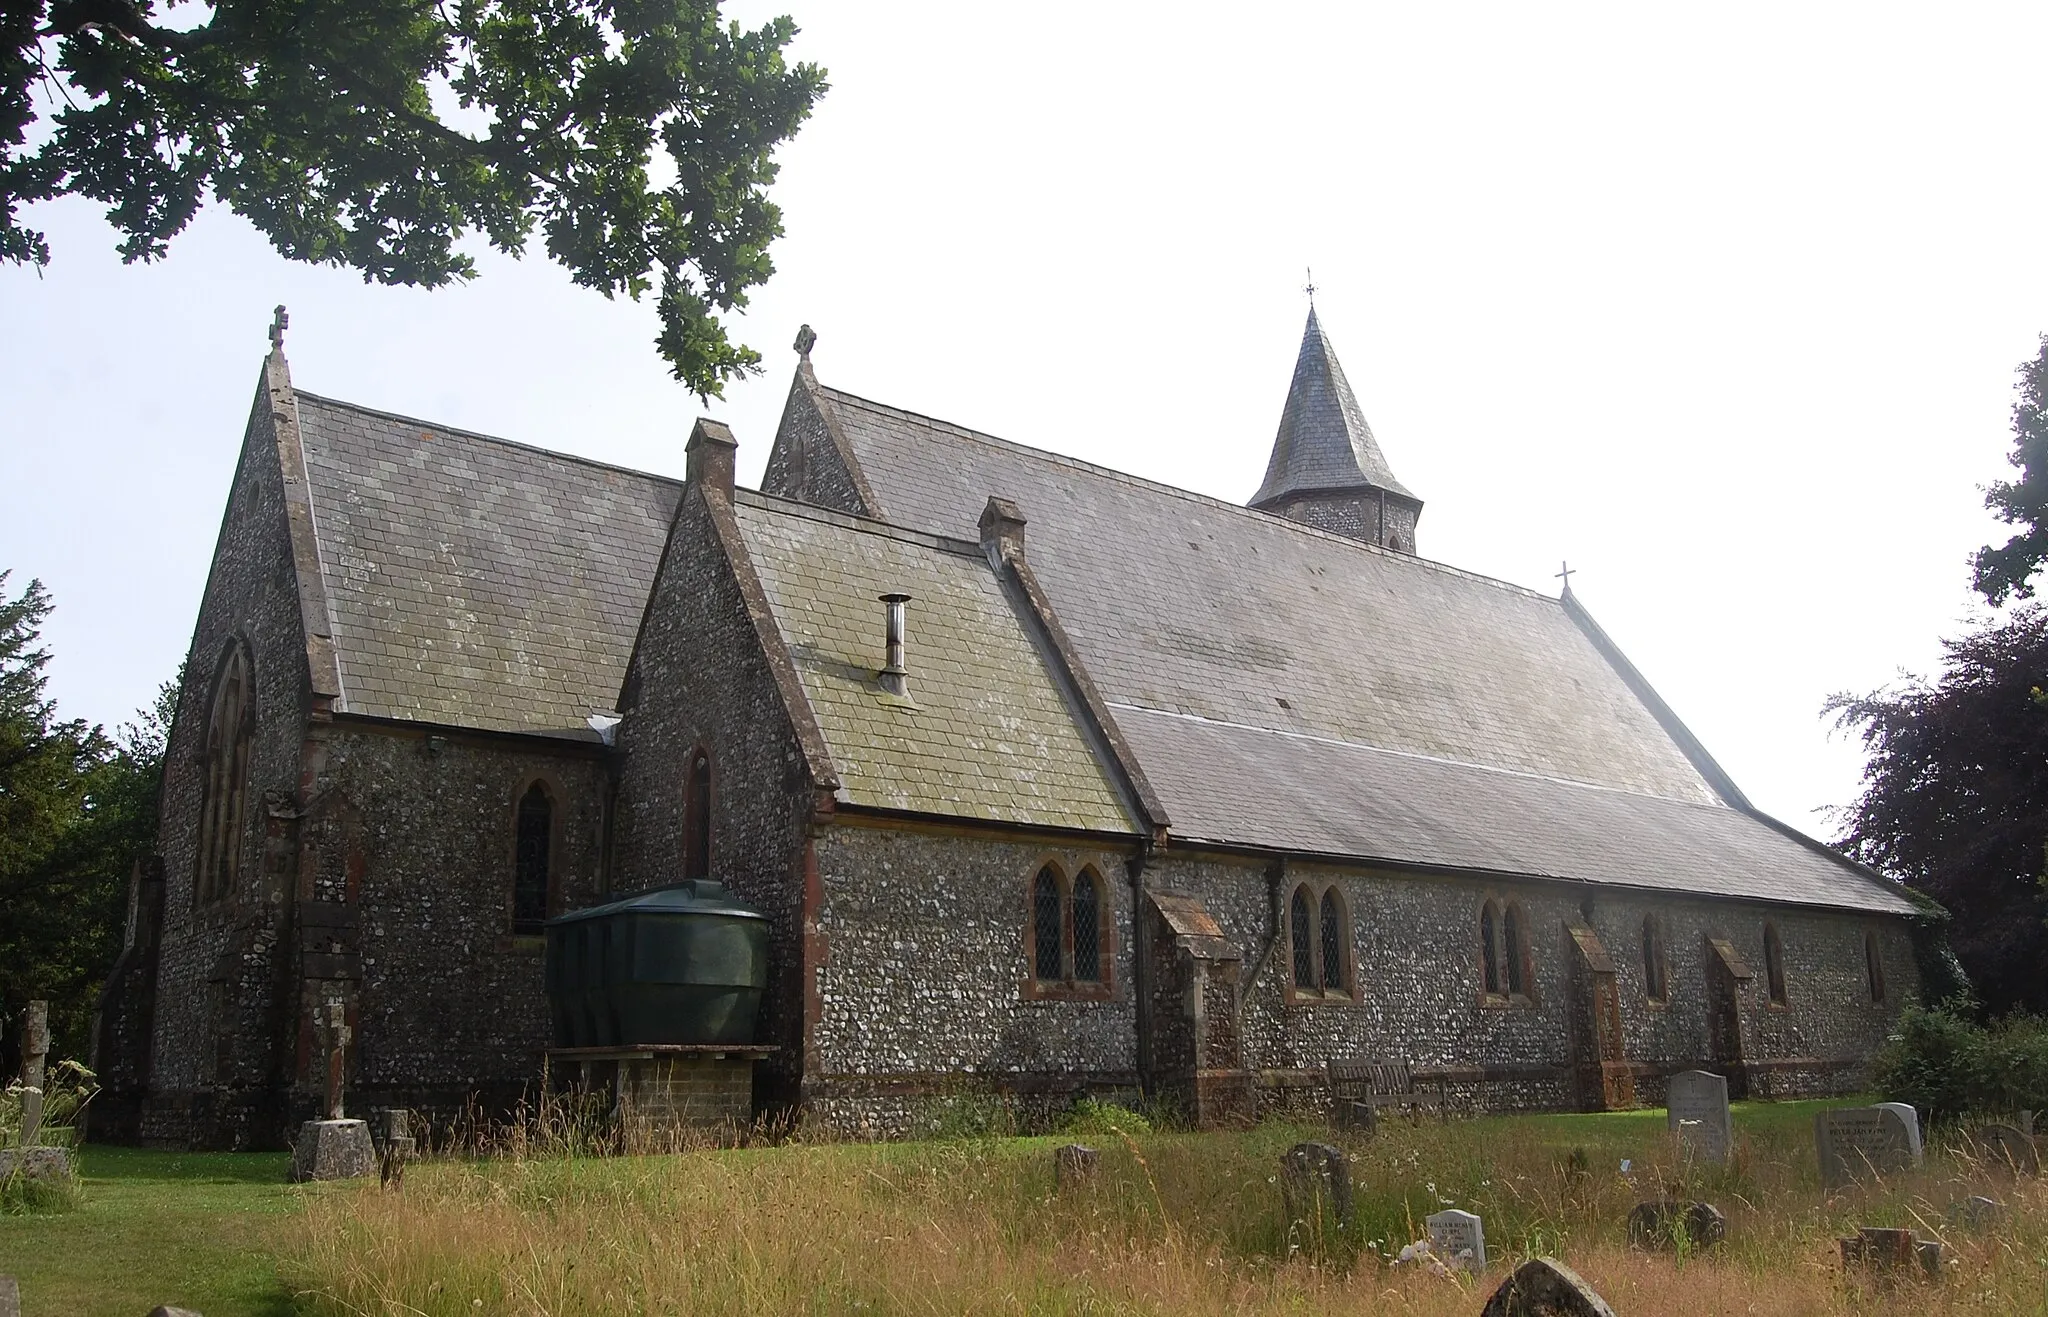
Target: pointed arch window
(1513, 947)
(230, 732)
(1068, 936)
(697, 818)
(533, 844)
(1489, 949)
(1507, 967)
(1774, 965)
(1319, 945)
(1656, 982)
(1873, 966)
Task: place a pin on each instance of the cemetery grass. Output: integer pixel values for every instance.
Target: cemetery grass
(199, 1230)
(1173, 1223)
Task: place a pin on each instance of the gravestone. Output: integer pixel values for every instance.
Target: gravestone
(1696, 1107)
(391, 1132)
(1858, 1142)
(1659, 1225)
(1458, 1239)
(1314, 1174)
(1890, 1254)
(1911, 1120)
(166, 1310)
(2007, 1147)
(1359, 1117)
(335, 1148)
(1074, 1164)
(1977, 1213)
(1545, 1287)
(10, 1297)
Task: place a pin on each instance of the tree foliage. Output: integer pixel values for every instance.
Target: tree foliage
(376, 134)
(2007, 570)
(77, 808)
(1955, 799)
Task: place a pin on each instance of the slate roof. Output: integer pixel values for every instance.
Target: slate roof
(476, 582)
(1324, 442)
(1357, 701)
(986, 732)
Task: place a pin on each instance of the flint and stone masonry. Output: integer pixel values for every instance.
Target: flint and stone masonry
(1178, 798)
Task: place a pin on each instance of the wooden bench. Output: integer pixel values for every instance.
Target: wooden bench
(1359, 1090)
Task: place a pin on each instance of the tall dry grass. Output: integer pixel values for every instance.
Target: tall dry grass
(1179, 1223)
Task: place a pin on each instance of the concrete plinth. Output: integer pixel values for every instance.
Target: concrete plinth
(50, 1165)
(333, 1150)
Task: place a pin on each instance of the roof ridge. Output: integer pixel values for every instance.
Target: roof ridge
(754, 498)
(459, 432)
(1195, 496)
(1723, 806)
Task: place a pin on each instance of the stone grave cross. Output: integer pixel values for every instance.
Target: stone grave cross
(337, 1051)
(35, 1050)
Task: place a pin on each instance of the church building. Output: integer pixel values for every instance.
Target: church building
(1049, 781)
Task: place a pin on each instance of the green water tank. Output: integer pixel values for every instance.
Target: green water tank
(681, 964)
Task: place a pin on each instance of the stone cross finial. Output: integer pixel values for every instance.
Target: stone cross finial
(337, 1048)
(280, 320)
(1566, 576)
(35, 1048)
(806, 339)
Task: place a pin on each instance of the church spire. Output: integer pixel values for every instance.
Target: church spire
(1327, 469)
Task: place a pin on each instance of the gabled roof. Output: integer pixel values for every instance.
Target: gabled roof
(1286, 688)
(985, 733)
(1324, 442)
(475, 582)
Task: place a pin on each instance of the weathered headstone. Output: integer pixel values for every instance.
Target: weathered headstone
(166, 1310)
(1661, 1225)
(1313, 1175)
(1858, 1142)
(391, 1131)
(1458, 1238)
(1890, 1254)
(1545, 1287)
(35, 1051)
(1074, 1165)
(335, 1148)
(10, 1297)
(2007, 1147)
(1977, 1212)
(1911, 1120)
(1696, 1107)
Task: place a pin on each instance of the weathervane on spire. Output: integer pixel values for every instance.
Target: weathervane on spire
(280, 320)
(1310, 287)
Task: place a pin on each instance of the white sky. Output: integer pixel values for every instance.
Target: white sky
(1720, 304)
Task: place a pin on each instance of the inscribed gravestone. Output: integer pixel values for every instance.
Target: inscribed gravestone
(1659, 1225)
(1545, 1287)
(1855, 1142)
(1911, 1120)
(1696, 1106)
(2008, 1147)
(1312, 1174)
(1458, 1239)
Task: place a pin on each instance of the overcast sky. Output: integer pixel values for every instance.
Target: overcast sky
(1722, 304)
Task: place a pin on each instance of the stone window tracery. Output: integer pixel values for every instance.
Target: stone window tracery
(1507, 968)
(1319, 945)
(1068, 934)
(532, 860)
(697, 818)
(230, 731)
(1774, 965)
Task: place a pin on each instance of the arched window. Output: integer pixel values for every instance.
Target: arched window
(1774, 965)
(1045, 925)
(1087, 929)
(1301, 931)
(1331, 922)
(1512, 951)
(230, 727)
(1489, 947)
(697, 819)
(532, 851)
(1873, 966)
(1654, 986)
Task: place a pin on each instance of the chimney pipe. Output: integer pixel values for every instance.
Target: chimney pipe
(895, 678)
